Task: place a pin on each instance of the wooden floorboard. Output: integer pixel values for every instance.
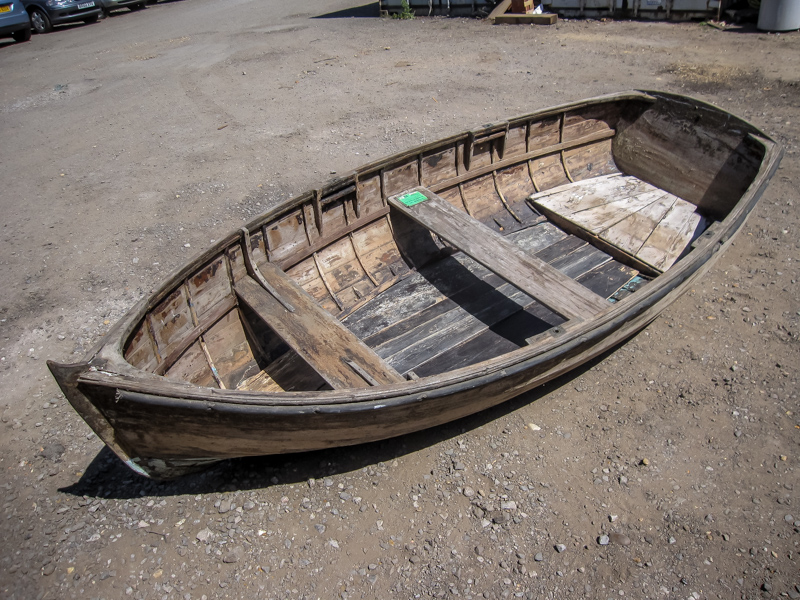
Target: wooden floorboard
(468, 299)
(591, 267)
(471, 314)
(608, 278)
(562, 247)
(486, 300)
(580, 261)
(450, 330)
(401, 305)
(535, 277)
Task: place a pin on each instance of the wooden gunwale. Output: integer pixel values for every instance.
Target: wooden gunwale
(107, 367)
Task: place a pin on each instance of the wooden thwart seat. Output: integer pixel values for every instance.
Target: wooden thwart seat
(320, 339)
(553, 289)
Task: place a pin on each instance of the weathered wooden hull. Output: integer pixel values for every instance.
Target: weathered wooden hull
(131, 393)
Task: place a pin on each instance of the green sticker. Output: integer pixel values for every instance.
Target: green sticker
(413, 198)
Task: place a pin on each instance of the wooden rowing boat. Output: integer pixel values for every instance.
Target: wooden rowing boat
(426, 286)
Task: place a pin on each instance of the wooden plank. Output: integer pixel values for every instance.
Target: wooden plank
(676, 231)
(622, 212)
(485, 306)
(306, 275)
(500, 9)
(571, 198)
(631, 233)
(535, 153)
(516, 186)
(376, 248)
(260, 382)
(414, 303)
(293, 374)
(428, 323)
(608, 278)
(563, 247)
(141, 351)
(458, 279)
(692, 151)
(300, 252)
(536, 278)
(207, 322)
(171, 322)
(322, 341)
(229, 351)
(591, 161)
(193, 367)
(583, 259)
(209, 286)
(526, 19)
(498, 336)
(600, 218)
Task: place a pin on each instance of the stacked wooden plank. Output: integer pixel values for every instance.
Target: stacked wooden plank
(513, 12)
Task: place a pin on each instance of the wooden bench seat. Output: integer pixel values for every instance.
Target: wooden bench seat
(625, 216)
(553, 289)
(340, 358)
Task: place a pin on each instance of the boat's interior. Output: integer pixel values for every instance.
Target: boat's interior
(451, 254)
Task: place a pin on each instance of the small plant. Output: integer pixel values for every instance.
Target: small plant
(405, 11)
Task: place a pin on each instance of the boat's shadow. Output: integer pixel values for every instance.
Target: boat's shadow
(109, 477)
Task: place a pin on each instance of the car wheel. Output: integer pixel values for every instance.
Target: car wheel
(23, 35)
(40, 21)
(92, 19)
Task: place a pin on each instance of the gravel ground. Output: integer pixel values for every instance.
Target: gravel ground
(665, 469)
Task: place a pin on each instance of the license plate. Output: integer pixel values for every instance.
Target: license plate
(5, 8)
(86, 5)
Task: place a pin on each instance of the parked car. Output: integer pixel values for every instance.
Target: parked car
(14, 21)
(45, 14)
(108, 5)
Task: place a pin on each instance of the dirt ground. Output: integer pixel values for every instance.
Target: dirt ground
(129, 145)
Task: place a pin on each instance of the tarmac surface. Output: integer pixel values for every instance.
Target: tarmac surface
(665, 469)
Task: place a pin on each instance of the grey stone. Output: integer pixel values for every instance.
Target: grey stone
(233, 555)
(204, 535)
(52, 451)
(619, 538)
(603, 540)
